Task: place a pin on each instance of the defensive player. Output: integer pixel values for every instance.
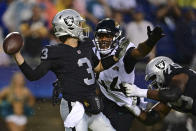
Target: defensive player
(174, 88)
(111, 79)
(74, 62)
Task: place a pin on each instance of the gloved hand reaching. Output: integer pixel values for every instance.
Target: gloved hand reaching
(133, 90)
(154, 35)
(123, 43)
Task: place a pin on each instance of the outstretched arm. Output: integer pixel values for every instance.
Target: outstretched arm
(106, 63)
(109, 61)
(172, 93)
(31, 74)
(144, 48)
(154, 115)
(175, 89)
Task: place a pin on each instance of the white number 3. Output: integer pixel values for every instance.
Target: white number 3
(44, 54)
(87, 81)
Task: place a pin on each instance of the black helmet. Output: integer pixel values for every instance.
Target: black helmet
(107, 28)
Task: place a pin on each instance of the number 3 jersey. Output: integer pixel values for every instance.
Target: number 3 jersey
(73, 68)
(187, 101)
(110, 80)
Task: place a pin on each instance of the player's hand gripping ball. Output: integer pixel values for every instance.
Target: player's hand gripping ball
(12, 43)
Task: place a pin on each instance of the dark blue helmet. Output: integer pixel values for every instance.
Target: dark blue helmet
(107, 26)
(105, 35)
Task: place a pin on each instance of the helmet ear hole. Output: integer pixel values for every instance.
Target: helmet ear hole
(152, 78)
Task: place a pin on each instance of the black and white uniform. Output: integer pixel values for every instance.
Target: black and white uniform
(110, 81)
(74, 70)
(187, 102)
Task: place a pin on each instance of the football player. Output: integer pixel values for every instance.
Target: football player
(174, 88)
(111, 80)
(74, 63)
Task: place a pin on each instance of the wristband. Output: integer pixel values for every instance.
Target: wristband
(108, 62)
(150, 43)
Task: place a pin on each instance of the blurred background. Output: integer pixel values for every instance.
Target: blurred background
(26, 106)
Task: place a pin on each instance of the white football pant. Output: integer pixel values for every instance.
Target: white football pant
(98, 122)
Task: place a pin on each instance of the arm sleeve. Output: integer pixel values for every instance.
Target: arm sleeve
(170, 95)
(95, 60)
(152, 117)
(129, 61)
(37, 73)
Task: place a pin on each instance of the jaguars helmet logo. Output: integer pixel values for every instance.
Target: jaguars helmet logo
(160, 65)
(69, 20)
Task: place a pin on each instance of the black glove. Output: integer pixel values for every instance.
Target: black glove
(56, 92)
(123, 43)
(154, 36)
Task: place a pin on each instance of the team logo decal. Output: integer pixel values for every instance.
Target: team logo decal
(160, 65)
(116, 68)
(69, 20)
(79, 51)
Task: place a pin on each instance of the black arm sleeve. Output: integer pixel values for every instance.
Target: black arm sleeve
(152, 117)
(37, 73)
(129, 61)
(170, 95)
(95, 60)
(108, 62)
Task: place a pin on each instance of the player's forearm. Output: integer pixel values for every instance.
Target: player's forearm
(141, 51)
(153, 94)
(25, 68)
(35, 74)
(149, 118)
(106, 63)
(155, 114)
(165, 95)
(18, 58)
(29, 73)
(153, 37)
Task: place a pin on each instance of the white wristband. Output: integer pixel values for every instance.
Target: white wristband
(134, 109)
(143, 92)
(137, 111)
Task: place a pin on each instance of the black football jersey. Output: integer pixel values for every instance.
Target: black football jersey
(186, 103)
(73, 68)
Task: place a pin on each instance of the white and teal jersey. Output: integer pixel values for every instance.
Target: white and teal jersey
(110, 80)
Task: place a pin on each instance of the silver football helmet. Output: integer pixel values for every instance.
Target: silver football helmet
(68, 22)
(154, 71)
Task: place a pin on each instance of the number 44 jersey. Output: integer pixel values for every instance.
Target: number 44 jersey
(111, 80)
(73, 68)
(187, 101)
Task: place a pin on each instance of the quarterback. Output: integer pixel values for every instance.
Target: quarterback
(74, 63)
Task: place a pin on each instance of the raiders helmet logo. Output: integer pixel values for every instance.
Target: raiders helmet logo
(160, 65)
(69, 20)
